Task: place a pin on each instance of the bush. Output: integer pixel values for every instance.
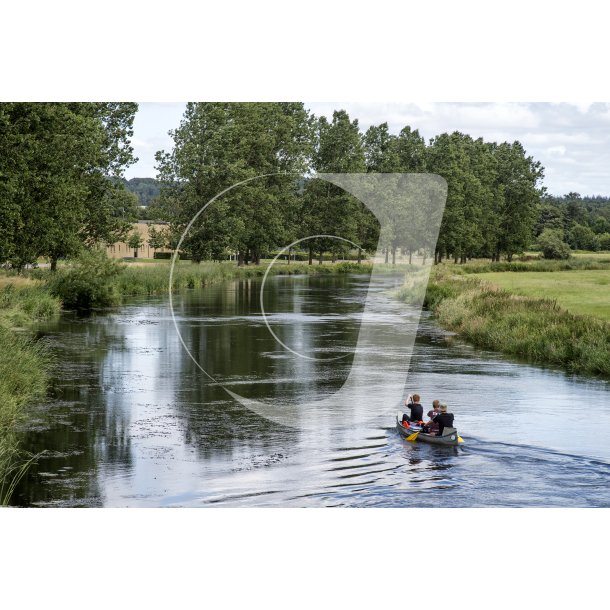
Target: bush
(552, 245)
(604, 241)
(90, 281)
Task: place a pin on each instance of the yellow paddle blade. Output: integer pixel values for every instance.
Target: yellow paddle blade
(413, 436)
(460, 439)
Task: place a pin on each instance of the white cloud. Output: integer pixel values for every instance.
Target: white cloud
(571, 140)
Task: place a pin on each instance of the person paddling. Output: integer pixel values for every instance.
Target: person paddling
(443, 419)
(415, 408)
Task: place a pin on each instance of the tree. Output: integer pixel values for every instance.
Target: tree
(329, 210)
(57, 161)
(520, 176)
(135, 242)
(218, 145)
(549, 217)
(157, 239)
(582, 238)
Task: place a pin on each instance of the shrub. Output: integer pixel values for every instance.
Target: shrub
(552, 245)
(604, 241)
(90, 281)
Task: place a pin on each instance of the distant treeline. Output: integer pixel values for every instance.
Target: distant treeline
(581, 222)
(147, 189)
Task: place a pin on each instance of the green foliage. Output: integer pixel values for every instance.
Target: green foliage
(582, 237)
(90, 281)
(155, 278)
(552, 245)
(584, 220)
(536, 265)
(604, 241)
(535, 329)
(327, 209)
(135, 241)
(56, 164)
(218, 145)
(23, 367)
(21, 304)
(157, 238)
(23, 379)
(145, 189)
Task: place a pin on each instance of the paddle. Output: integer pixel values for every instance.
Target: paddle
(413, 436)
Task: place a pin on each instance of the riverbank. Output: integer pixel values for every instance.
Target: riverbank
(154, 279)
(24, 366)
(534, 328)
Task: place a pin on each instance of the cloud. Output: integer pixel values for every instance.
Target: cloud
(570, 139)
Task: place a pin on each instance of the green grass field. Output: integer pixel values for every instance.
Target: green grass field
(580, 292)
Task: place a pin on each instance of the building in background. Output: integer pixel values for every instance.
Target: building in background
(121, 249)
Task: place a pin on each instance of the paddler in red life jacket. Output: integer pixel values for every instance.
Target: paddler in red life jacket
(416, 410)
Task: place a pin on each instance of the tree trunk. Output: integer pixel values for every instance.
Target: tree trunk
(359, 256)
(135, 253)
(240, 258)
(320, 259)
(310, 255)
(333, 257)
(455, 259)
(289, 249)
(393, 256)
(410, 255)
(53, 263)
(387, 255)
(510, 257)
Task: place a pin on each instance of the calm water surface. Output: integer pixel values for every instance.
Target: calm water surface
(132, 421)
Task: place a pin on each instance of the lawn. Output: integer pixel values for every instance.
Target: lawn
(581, 292)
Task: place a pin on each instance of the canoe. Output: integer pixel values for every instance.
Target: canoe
(450, 437)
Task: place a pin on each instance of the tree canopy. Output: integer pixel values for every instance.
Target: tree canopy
(58, 168)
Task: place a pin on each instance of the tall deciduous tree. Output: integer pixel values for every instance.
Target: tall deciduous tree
(218, 145)
(57, 161)
(329, 209)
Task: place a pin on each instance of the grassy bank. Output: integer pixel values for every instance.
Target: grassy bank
(536, 329)
(24, 364)
(150, 279)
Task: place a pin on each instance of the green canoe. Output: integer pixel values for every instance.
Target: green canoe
(450, 437)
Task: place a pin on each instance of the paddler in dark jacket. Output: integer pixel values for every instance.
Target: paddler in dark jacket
(444, 420)
(416, 410)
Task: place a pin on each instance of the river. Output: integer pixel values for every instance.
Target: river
(132, 421)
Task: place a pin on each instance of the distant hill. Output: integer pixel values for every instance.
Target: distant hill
(145, 188)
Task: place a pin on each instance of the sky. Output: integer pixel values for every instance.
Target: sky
(571, 140)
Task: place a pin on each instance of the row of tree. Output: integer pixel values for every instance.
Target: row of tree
(492, 205)
(61, 187)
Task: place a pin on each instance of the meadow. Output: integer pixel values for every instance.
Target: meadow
(581, 292)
